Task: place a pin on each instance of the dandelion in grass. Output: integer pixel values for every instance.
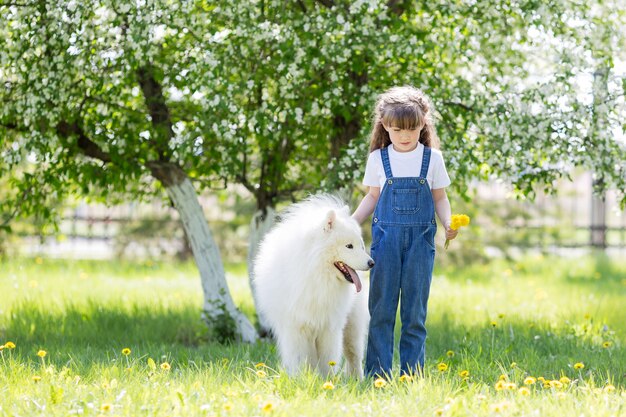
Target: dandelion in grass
(106, 407)
(606, 345)
(405, 378)
(9, 345)
(166, 366)
(268, 407)
(442, 367)
(456, 221)
(500, 385)
(228, 406)
(556, 384)
(439, 412)
(36, 378)
(565, 380)
(510, 386)
(503, 377)
(609, 388)
(42, 354)
(450, 353)
(332, 363)
(328, 386)
(494, 324)
(261, 373)
(529, 380)
(513, 365)
(464, 374)
(579, 365)
(524, 391)
(260, 365)
(126, 351)
(380, 383)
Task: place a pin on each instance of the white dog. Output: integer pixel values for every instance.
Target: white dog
(308, 289)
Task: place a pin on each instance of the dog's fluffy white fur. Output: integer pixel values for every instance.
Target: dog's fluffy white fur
(316, 311)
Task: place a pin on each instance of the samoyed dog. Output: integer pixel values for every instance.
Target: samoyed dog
(308, 289)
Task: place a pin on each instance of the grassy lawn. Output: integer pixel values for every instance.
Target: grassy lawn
(491, 327)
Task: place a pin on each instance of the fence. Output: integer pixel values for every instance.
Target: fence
(549, 223)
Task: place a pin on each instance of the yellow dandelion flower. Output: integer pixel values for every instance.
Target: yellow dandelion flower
(439, 412)
(503, 377)
(261, 373)
(500, 385)
(501, 315)
(166, 366)
(609, 388)
(524, 391)
(530, 380)
(267, 407)
(541, 379)
(9, 345)
(380, 382)
(513, 365)
(332, 363)
(228, 406)
(579, 365)
(405, 378)
(450, 353)
(328, 386)
(442, 367)
(565, 380)
(510, 386)
(464, 374)
(494, 324)
(42, 353)
(36, 378)
(456, 221)
(126, 351)
(556, 384)
(106, 407)
(39, 260)
(260, 365)
(606, 345)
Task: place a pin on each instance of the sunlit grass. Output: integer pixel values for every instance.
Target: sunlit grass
(540, 336)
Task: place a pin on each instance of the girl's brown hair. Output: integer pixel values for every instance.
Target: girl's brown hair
(405, 108)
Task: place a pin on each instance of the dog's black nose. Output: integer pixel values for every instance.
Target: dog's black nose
(370, 263)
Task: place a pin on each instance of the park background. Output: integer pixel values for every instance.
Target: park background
(145, 148)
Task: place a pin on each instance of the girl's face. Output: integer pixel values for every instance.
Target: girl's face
(403, 140)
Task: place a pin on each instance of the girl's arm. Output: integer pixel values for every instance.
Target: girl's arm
(442, 207)
(367, 206)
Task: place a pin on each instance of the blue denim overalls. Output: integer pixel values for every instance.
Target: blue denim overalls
(403, 249)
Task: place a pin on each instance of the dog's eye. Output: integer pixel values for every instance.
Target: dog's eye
(349, 246)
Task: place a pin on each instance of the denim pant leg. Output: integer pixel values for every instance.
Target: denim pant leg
(415, 290)
(383, 305)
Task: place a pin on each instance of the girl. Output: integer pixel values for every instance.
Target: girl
(404, 163)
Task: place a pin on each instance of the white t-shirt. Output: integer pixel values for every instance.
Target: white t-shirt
(406, 164)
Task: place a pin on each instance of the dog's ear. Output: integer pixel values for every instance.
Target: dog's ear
(331, 217)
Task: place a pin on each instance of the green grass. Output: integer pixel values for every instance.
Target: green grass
(536, 317)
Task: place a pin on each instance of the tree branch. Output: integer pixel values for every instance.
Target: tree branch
(86, 145)
(158, 109)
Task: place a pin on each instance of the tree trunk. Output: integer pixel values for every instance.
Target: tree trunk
(218, 306)
(259, 226)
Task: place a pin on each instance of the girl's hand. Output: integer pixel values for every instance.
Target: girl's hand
(450, 233)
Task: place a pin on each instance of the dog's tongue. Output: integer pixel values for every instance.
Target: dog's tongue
(355, 278)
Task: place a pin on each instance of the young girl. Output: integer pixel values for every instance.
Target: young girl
(404, 163)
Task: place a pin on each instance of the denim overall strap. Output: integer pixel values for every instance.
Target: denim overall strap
(425, 162)
(384, 154)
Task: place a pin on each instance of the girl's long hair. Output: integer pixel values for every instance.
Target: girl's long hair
(405, 108)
